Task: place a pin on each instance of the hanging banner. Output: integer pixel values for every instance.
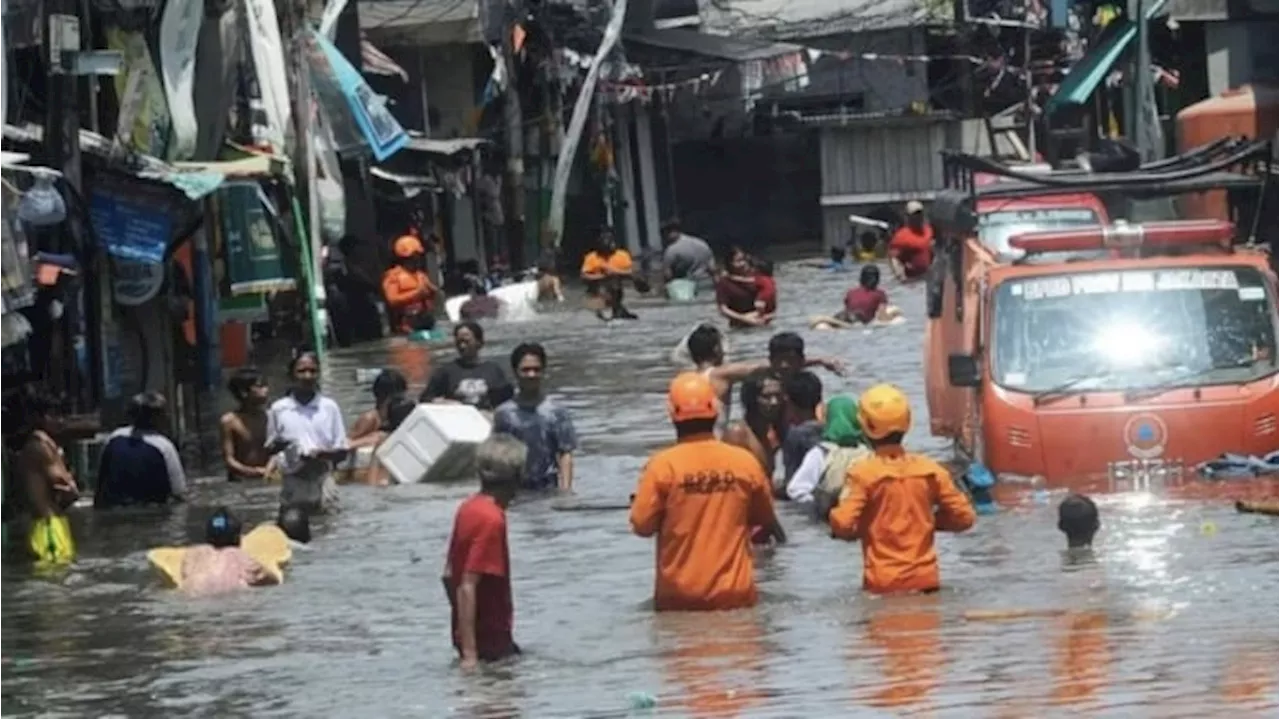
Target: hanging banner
(179, 37)
(144, 107)
(268, 61)
(131, 231)
(348, 100)
(253, 259)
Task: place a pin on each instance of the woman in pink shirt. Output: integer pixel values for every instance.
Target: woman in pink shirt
(220, 565)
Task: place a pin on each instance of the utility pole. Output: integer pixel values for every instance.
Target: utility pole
(60, 25)
(513, 114)
(1143, 97)
(304, 185)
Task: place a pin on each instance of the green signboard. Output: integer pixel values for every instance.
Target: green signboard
(254, 259)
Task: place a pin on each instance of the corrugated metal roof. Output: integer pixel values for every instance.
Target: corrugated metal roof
(796, 19)
(729, 48)
(445, 147)
(421, 22)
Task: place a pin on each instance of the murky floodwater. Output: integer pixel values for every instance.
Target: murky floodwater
(1177, 617)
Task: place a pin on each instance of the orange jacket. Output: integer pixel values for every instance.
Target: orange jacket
(618, 261)
(701, 498)
(402, 289)
(889, 504)
(914, 249)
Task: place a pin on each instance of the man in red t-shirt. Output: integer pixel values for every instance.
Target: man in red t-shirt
(477, 573)
(864, 302)
(911, 248)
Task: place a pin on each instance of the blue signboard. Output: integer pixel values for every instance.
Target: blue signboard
(130, 231)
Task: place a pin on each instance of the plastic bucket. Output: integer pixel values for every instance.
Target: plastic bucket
(682, 290)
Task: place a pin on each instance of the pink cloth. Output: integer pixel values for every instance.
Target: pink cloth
(212, 570)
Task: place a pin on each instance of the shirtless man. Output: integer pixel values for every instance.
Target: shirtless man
(47, 487)
(706, 349)
(244, 429)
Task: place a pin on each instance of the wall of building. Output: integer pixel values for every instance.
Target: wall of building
(876, 85)
(1238, 52)
(874, 169)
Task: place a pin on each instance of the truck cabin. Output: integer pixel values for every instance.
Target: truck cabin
(1008, 200)
(1082, 350)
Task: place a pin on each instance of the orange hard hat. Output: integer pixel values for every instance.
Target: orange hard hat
(883, 410)
(407, 246)
(692, 396)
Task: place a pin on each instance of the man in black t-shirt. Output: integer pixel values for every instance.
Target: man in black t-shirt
(468, 379)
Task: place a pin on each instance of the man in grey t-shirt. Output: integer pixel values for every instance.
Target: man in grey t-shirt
(686, 257)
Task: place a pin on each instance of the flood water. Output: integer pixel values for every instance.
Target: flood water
(1177, 617)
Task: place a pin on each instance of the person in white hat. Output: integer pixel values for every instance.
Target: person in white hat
(911, 247)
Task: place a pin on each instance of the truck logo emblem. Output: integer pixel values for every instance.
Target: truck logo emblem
(1145, 436)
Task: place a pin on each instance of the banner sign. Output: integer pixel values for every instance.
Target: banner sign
(131, 231)
(253, 259)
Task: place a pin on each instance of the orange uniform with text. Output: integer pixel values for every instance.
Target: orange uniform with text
(407, 292)
(700, 498)
(618, 261)
(894, 501)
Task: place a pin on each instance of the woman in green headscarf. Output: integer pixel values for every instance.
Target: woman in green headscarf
(820, 477)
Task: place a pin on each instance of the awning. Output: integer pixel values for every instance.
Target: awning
(718, 46)
(447, 148)
(1085, 77)
(421, 23)
(196, 180)
(376, 62)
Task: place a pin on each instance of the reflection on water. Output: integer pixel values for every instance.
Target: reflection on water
(1169, 614)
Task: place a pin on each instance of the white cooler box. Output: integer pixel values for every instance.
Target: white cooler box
(436, 443)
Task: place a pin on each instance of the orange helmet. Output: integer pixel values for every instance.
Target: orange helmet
(883, 410)
(407, 246)
(692, 396)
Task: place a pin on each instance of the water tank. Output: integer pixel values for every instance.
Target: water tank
(1249, 111)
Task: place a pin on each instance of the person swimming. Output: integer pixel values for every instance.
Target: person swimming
(864, 304)
(220, 565)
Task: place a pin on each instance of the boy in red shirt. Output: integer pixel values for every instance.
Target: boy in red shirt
(477, 572)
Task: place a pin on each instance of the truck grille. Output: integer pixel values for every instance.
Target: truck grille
(1265, 425)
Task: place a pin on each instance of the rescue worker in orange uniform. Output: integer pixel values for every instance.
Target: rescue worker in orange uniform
(894, 501)
(605, 270)
(407, 290)
(701, 497)
(911, 247)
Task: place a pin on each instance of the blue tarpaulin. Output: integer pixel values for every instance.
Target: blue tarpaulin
(347, 98)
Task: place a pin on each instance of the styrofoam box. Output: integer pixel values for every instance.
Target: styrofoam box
(436, 443)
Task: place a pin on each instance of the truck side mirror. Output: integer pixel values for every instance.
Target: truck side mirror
(963, 371)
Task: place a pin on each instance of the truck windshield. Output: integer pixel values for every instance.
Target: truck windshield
(996, 227)
(1133, 329)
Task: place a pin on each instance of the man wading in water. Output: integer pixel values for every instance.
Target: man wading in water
(706, 349)
(545, 428)
(605, 271)
(701, 498)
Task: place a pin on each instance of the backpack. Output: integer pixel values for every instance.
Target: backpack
(830, 489)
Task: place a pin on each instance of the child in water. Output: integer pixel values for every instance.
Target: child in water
(220, 565)
(1078, 520)
(863, 304)
(244, 429)
(295, 522)
(371, 426)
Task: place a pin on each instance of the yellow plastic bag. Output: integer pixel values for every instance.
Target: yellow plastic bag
(51, 542)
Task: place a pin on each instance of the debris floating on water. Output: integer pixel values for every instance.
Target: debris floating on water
(642, 700)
